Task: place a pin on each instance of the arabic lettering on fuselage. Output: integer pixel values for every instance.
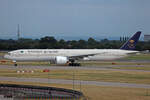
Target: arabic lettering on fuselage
(45, 52)
(50, 51)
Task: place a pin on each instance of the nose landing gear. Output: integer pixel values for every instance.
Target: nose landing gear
(15, 63)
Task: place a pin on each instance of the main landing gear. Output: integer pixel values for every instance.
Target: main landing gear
(73, 63)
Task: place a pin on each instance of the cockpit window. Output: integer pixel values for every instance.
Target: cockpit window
(21, 51)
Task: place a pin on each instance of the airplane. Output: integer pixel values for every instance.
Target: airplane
(71, 56)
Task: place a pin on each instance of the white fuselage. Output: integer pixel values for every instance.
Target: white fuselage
(50, 54)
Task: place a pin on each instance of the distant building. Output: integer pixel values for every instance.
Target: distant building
(146, 37)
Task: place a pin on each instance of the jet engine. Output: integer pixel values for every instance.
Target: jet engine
(61, 60)
(86, 58)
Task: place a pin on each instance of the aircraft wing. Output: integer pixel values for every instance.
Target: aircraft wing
(82, 56)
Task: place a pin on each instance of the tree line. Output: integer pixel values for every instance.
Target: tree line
(50, 42)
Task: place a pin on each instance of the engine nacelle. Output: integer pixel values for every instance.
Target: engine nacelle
(86, 58)
(61, 60)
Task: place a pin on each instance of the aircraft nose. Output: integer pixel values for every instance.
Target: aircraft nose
(6, 56)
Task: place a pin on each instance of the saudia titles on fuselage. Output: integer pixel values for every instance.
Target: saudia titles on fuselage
(40, 51)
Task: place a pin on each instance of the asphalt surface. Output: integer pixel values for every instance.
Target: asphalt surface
(76, 82)
(103, 67)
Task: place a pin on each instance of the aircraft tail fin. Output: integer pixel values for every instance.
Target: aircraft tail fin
(131, 43)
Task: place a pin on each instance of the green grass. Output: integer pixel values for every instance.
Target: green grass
(139, 57)
(2, 53)
(102, 63)
(146, 68)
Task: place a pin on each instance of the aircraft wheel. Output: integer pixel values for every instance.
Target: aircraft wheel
(74, 64)
(15, 64)
(79, 64)
(70, 64)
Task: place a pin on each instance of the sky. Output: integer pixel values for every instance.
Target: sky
(73, 18)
